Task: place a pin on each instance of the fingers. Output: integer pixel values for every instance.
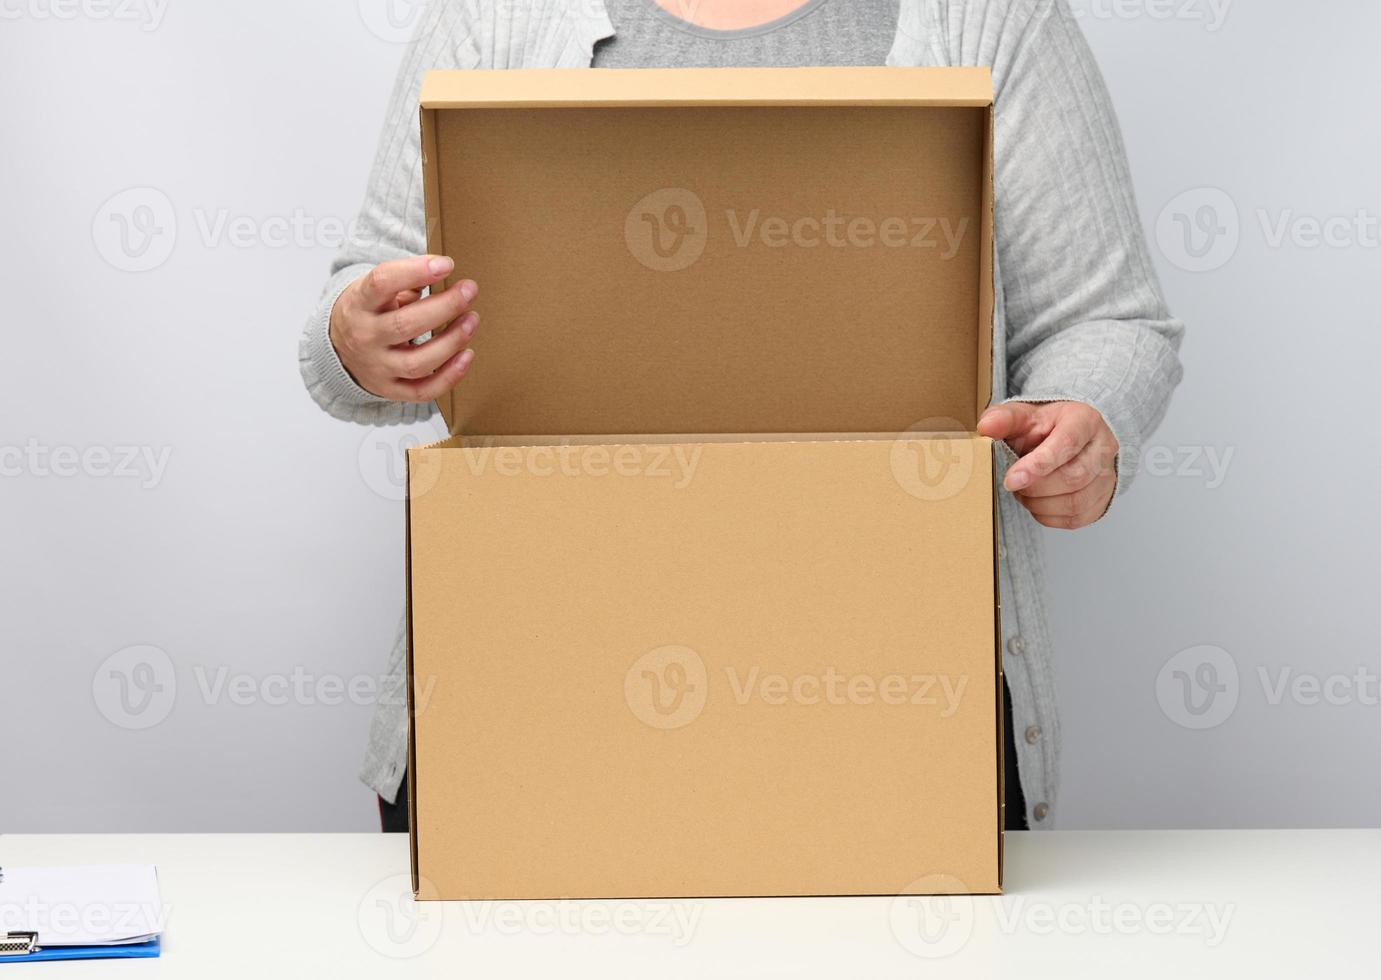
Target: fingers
(376, 319)
(415, 362)
(1009, 422)
(1071, 433)
(407, 323)
(380, 287)
(1066, 476)
(431, 388)
(1072, 510)
(1094, 461)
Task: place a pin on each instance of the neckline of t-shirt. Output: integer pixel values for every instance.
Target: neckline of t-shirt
(689, 27)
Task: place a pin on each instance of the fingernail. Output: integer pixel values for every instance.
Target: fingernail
(465, 358)
(1018, 480)
(469, 289)
(468, 323)
(440, 266)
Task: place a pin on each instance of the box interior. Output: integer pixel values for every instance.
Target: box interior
(842, 284)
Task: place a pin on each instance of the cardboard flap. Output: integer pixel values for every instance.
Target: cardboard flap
(762, 250)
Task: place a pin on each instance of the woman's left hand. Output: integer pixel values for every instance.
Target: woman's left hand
(1067, 473)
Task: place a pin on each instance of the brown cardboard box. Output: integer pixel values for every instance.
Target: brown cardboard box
(702, 586)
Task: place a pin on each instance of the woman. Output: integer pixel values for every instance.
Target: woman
(1085, 351)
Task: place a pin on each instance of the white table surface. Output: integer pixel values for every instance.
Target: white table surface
(1221, 904)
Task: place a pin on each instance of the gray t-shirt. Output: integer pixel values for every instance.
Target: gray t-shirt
(821, 33)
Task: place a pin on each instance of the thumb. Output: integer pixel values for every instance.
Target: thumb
(1008, 422)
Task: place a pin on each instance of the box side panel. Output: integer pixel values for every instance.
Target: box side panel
(725, 669)
(716, 269)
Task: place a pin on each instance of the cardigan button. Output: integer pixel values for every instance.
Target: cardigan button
(1033, 734)
(1041, 811)
(1016, 646)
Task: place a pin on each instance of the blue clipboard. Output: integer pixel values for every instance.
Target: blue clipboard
(127, 951)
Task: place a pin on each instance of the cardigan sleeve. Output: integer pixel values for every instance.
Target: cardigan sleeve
(1084, 313)
(391, 222)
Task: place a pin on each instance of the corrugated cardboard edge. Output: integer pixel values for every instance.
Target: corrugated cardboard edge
(1001, 683)
(549, 88)
(987, 302)
(409, 673)
(986, 266)
(431, 197)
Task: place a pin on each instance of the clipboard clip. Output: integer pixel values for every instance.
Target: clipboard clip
(18, 943)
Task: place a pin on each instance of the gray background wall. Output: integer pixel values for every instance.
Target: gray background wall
(175, 178)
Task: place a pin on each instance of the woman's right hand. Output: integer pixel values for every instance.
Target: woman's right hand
(378, 316)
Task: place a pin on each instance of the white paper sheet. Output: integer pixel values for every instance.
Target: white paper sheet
(99, 905)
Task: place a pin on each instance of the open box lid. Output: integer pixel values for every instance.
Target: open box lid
(716, 250)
